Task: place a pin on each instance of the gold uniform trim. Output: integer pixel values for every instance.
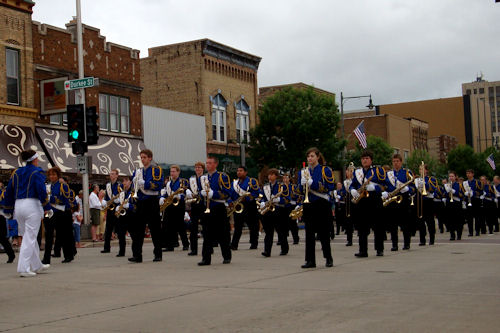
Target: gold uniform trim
(158, 177)
(222, 183)
(331, 179)
(381, 175)
(254, 184)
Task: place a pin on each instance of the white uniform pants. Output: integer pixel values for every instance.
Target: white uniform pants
(28, 213)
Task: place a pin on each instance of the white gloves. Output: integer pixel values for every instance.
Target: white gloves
(262, 205)
(338, 197)
(210, 193)
(467, 193)
(335, 193)
(453, 191)
(126, 206)
(49, 213)
(418, 182)
(141, 182)
(309, 182)
(297, 208)
(385, 195)
(443, 200)
(496, 200)
(189, 194)
(405, 189)
(354, 193)
(177, 196)
(447, 187)
(370, 187)
(276, 200)
(481, 197)
(162, 201)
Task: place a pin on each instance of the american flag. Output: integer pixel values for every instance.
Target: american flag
(359, 131)
(491, 161)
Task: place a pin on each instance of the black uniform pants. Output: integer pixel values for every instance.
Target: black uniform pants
(197, 210)
(122, 225)
(216, 228)
(455, 218)
(427, 219)
(317, 219)
(292, 224)
(148, 213)
(248, 217)
(275, 221)
(4, 240)
(490, 214)
(111, 221)
(173, 226)
(473, 216)
(368, 215)
(61, 222)
(339, 217)
(439, 211)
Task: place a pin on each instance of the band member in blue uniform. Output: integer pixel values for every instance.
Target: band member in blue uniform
(111, 198)
(496, 184)
(316, 181)
(217, 189)
(147, 184)
(248, 187)
(276, 195)
(455, 194)
(4, 240)
(400, 214)
(196, 205)
(125, 213)
(173, 216)
(61, 221)
(473, 190)
(425, 205)
(489, 206)
(294, 191)
(369, 180)
(26, 197)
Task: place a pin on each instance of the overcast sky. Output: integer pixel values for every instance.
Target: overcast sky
(396, 50)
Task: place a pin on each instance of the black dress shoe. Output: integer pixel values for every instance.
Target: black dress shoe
(452, 238)
(406, 247)
(46, 262)
(185, 248)
(168, 249)
(421, 244)
(380, 253)
(348, 244)
(283, 253)
(134, 259)
(266, 254)
(361, 255)
(296, 241)
(120, 255)
(203, 263)
(192, 253)
(65, 261)
(329, 263)
(431, 243)
(308, 265)
(234, 248)
(156, 259)
(253, 247)
(470, 235)
(394, 248)
(11, 259)
(226, 261)
(459, 238)
(105, 251)
(477, 233)
(56, 255)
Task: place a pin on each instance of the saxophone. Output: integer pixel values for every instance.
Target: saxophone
(362, 190)
(171, 199)
(237, 205)
(121, 209)
(297, 213)
(111, 203)
(394, 195)
(269, 206)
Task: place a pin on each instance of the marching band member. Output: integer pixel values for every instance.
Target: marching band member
(217, 188)
(149, 180)
(61, 221)
(496, 184)
(345, 195)
(277, 195)
(197, 206)
(248, 216)
(489, 206)
(111, 201)
(370, 181)
(26, 197)
(455, 219)
(125, 214)
(427, 202)
(173, 219)
(4, 240)
(294, 192)
(473, 190)
(316, 181)
(400, 214)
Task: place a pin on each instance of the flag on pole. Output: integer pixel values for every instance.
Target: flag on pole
(491, 161)
(360, 133)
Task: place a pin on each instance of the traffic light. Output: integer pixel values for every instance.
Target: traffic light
(79, 148)
(92, 121)
(76, 123)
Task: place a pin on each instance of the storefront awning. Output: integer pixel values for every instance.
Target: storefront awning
(112, 152)
(15, 139)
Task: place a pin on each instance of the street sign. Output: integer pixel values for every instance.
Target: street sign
(86, 82)
(83, 164)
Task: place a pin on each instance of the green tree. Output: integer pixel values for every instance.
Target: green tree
(290, 122)
(462, 158)
(382, 152)
(415, 159)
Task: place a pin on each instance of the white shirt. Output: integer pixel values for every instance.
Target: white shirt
(94, 201)
(80, 205)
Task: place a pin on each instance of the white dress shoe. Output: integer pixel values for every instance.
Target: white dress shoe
(43, 268)
(27, 274)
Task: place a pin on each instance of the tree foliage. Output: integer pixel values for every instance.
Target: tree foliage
(382, 152)
(463, 157)
(290, 122)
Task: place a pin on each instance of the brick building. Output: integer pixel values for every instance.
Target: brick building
(265, 92)
(209, 79)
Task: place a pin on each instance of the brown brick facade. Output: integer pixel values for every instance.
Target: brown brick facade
(182, 77)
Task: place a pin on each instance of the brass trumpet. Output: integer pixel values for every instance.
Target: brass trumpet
(307, 176)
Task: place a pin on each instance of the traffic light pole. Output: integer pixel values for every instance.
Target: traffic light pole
(85, 176)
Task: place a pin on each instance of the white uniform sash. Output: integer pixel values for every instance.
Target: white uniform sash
(267, 191)
(359, 176)
(204, 181)
(193, 184)
(347, 184)
(168, 188)
(392, 178)
(237, 188)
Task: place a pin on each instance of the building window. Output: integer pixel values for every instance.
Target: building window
(242, 121)
(475, 91)
(13, 84)
(481, 90)
(493, 121)
(396, 151)
(219, 105)
(467, 92)
(405, 155)
(114, 113)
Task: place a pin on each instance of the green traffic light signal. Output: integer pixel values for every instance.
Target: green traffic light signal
(74, 134)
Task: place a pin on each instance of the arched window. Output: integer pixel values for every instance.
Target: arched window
(242, 121)
(219, 105)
